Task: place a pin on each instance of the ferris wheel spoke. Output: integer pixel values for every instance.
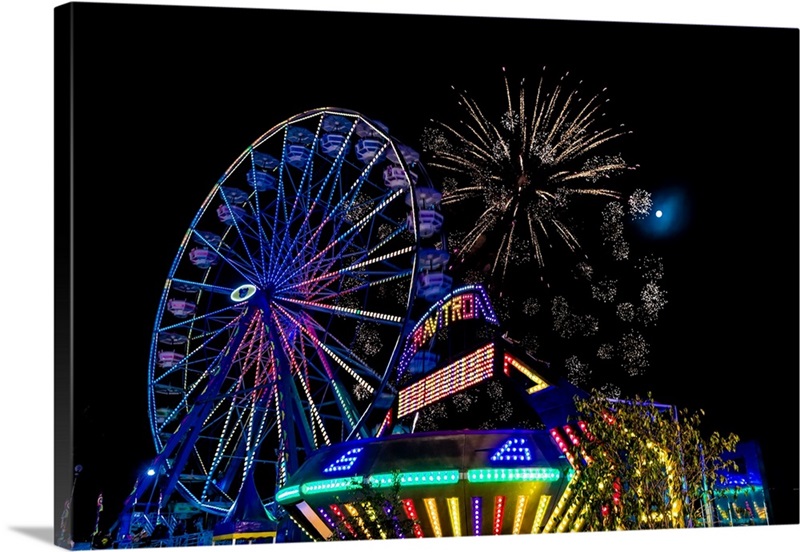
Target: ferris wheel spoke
(356, 314)
(347, 235)
(361, 262)
(230, 310)
(300, 369)
(323, 373)
(320, 347)
(224, 440)
(202, 286)
(202, 376)
(236, 224)
(357, 259)
(338, 353)
(339, 211)
(342, 352)
(299, 209)
(311, 235)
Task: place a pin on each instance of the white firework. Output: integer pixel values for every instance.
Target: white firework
(578, 373)
(368, 340)
(651, 268)
(634, 350)
(541, 156)
(654, 299)
(605, 291)
(640, 202)
(626, 311)
(530, 306)
(605, 351)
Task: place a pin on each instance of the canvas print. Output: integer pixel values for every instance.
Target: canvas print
(349, 276)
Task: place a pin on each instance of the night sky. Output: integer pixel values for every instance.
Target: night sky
(167, 100)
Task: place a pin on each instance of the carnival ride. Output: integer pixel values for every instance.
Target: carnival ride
(307, 319)
(286, 305)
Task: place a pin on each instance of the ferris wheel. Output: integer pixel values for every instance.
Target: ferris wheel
(287, 303)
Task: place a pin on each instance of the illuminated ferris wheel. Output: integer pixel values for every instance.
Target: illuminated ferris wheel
(287, 303)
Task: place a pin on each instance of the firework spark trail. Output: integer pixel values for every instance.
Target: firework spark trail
(515, 166)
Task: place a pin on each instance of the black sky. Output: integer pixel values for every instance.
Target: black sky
(167, 97)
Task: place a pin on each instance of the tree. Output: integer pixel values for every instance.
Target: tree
(372, 510)
(646, 465)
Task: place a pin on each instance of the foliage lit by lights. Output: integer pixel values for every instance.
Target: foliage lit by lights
(374, 511)
(652, 466)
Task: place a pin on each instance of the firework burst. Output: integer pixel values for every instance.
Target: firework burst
(525, 172)
(531, 194)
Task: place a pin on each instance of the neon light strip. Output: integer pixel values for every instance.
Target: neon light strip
(455, 515)
(562, 526)
(385, 424)
(339, 514)
(572, 437)
(347, 310)
(372, 517)
(495, 475)
(519, 513)
(287, 493)
(354, 513)
(499, 510)
(411, 513)
(585, 430)
(540, 383)
(544, 501)
(330, 485)
(477, 516)
(412, 479)
(426, 478)
(581, 521)
(398, 531)
(562, 445)
(456, 377)
(303, 529)
(561, 502)
(326, 517)
(433, 516)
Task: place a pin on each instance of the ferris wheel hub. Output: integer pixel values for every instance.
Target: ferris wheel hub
(243, 293)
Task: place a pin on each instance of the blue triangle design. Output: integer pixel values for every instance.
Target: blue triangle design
(513, 450)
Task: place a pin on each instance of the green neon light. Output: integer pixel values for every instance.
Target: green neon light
(422, 478)
(329, 485)
(513, 474)
(411, 479)
(288, 493)
(741, 490)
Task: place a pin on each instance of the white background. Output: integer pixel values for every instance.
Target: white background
(26, 256)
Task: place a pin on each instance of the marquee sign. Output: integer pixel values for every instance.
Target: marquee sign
(464, 303)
